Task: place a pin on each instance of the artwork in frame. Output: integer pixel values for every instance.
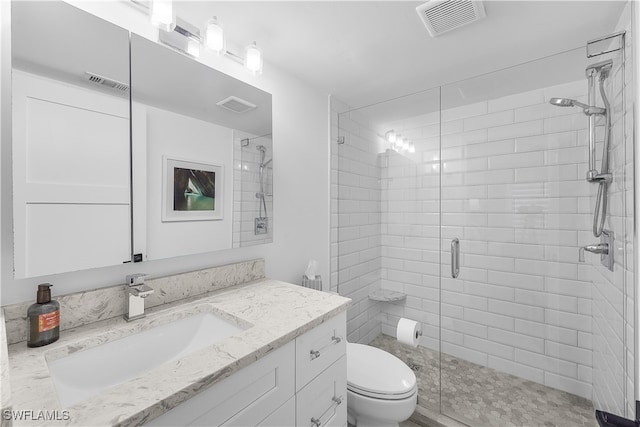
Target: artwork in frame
(192, 190)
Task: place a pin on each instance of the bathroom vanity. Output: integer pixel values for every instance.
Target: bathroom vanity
(284, 365)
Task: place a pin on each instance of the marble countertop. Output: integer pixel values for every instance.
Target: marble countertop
(275, 313)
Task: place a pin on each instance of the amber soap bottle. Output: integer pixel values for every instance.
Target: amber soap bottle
(43, 319)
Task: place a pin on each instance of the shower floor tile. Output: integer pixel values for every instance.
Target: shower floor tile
(480, 396)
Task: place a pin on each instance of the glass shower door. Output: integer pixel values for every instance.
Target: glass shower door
(519, 331)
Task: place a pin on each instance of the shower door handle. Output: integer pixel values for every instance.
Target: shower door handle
(455, 258)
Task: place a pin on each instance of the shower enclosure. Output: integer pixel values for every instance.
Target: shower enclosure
(465, 208)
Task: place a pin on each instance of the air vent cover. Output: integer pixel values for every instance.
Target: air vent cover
(236, 104)
(441, 16)
(108, 83)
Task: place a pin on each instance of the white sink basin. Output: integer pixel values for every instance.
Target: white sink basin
(84, 374)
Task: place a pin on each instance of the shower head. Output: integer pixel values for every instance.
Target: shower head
(566, 102)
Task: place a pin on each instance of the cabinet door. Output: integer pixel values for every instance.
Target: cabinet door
(323, 402)
(284, 416)
(243, 399)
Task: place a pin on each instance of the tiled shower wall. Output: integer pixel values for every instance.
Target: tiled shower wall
(613, 337)
(355, 220)
(513, 193)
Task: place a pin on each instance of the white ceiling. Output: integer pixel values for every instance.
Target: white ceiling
(368, 51)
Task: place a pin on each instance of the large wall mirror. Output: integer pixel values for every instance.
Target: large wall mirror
(124, 149)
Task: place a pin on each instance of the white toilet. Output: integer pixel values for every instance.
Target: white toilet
(381, 389)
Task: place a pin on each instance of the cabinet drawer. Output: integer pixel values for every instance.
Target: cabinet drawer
(243, 398)
(317, 349)
(323, 402)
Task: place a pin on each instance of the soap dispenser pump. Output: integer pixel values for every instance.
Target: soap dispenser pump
(43, 319)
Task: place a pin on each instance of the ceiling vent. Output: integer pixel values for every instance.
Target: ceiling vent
(107, 83)
(441, 16)
(236, 104)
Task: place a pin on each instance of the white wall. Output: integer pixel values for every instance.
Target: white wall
(300, 180)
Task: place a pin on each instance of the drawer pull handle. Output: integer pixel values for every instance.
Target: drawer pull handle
(314, 354)
(317, 422)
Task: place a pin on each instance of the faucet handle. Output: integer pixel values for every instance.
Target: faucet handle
(135, 279)
(581, 254)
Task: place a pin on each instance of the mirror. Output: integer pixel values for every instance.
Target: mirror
(191, 172)
(201, 146)
(70, 124)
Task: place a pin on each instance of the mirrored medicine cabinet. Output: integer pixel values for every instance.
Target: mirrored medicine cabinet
(124, 149)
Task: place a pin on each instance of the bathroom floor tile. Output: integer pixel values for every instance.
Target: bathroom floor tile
(480, 396)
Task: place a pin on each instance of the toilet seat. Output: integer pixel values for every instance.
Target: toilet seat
(381, 396)
(377, 374)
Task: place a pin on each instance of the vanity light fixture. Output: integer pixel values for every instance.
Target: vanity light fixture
(390, 136)
(397, 143)
(213, 38)
(253, 59)
(161, 14)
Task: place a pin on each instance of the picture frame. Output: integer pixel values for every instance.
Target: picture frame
(192, 190)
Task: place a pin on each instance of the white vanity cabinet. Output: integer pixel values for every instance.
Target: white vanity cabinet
(302, 383)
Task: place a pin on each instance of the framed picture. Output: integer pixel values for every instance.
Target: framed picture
(192, 191)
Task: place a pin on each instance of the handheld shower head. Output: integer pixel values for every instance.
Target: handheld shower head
(566, 102)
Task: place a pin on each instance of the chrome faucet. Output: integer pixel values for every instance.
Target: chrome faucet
(137, 291)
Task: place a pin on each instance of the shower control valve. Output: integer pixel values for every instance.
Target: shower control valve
(600, 248)
(605, 248)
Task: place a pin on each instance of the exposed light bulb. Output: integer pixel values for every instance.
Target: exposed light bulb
(162, 14)
(253, 59)
(214, 36)
(193, 47)
(412, 148)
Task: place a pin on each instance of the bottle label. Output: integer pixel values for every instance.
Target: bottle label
(48, 321)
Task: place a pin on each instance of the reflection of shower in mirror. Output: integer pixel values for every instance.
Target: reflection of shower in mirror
(262, 221)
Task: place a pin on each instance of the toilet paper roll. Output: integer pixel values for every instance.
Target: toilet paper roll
(408, 332)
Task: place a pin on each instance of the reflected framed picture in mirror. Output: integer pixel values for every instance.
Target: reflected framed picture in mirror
(192, 191)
